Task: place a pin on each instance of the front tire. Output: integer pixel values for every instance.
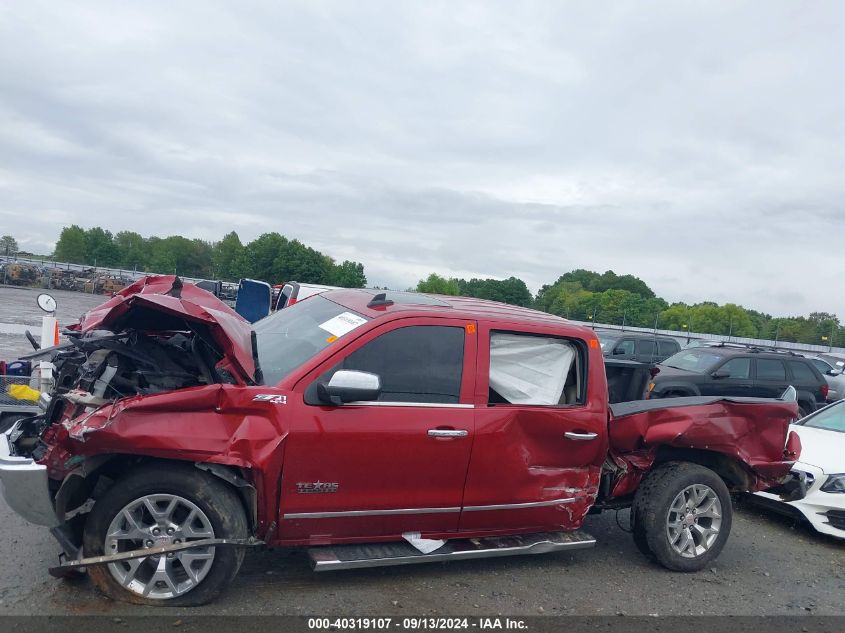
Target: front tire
(683, 513)
(160, 505)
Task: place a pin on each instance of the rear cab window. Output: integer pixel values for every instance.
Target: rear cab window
(536, 370)
(770, 369)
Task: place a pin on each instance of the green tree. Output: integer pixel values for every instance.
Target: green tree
(510, 290)
(100, 248)
(257, 259)
(132, 250)
(297, 262)
(225, 254)
(71, 246)
(8, 245)
(348, 275)
(437, 285)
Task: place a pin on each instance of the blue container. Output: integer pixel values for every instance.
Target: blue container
(19, 368)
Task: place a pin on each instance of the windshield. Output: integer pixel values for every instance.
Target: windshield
(698, 360)
(831, 418)
(289, 337)
(837, 364)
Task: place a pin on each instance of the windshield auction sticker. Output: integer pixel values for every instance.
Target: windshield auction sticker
(343, 323)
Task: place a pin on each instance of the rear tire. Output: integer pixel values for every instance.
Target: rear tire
(188, 503)
(682, 512)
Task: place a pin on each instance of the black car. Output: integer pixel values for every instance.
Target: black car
(730, 370)
(638, 346)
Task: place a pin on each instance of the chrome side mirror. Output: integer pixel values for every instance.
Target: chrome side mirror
(348, 385)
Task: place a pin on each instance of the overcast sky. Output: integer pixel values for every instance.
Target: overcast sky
(700, 146)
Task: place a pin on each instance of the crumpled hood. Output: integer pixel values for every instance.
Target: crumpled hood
(165, 303)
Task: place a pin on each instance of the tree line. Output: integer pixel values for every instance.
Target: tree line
(584, 295)
(270, 257)
(581, 295)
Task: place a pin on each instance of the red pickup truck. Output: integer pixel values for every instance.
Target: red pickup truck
(374, 428)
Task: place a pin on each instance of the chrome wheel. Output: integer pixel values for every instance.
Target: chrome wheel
(153, 521)
(694, 520)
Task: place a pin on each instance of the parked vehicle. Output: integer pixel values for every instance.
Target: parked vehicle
(832, 367)
(373, 428)
(739, 370)
(822, 466)
(289, 293)
(638, 346)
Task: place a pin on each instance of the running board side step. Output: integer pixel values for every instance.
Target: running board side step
(331, 557)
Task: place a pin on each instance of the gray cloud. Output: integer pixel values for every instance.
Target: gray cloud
(699, 147)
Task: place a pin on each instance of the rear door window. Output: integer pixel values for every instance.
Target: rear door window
(646, 348)
(770, 369)
(528, 369)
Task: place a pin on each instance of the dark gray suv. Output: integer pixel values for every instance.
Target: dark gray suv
(733, 370)
(638, 346)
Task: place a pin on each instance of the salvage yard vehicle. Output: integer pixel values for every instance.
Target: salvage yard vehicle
(374, 428)
(638, 346)
(735, 369)
(822, 466)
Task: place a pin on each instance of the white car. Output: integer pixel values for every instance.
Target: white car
(822, 461)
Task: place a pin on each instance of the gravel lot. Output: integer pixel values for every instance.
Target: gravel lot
(770, 565)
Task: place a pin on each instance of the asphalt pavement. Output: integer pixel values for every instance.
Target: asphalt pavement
(770, 566)
(18, 311)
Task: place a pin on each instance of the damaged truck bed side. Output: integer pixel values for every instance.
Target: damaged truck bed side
(374, 429)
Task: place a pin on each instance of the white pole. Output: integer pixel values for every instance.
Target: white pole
(49, 338)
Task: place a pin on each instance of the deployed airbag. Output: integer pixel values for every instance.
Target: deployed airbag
(529, 369)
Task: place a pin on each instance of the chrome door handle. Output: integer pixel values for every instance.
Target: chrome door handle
(580, 436)
(447, 433)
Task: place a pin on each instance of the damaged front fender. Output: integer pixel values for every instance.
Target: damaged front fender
(217, 424)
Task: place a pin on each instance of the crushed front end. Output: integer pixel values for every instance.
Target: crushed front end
(156, 337)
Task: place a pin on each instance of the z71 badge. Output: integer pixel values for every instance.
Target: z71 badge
(270, 397)
(315, 486)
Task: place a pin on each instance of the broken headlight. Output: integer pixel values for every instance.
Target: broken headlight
(834, 483)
